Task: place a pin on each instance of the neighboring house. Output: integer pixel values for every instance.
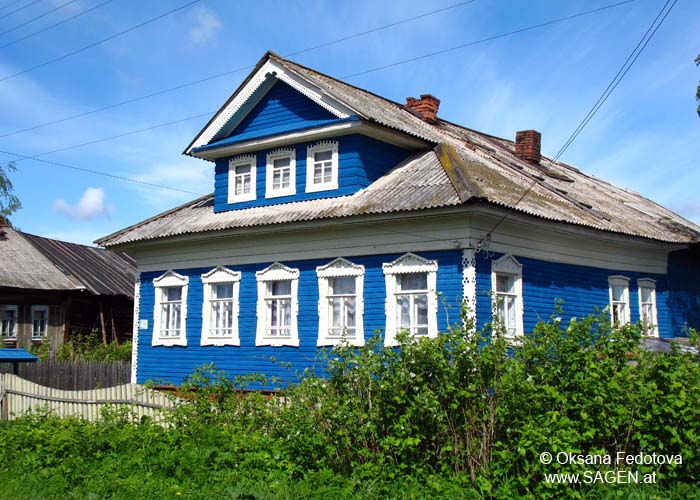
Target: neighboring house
(338, 215)
(50, 288)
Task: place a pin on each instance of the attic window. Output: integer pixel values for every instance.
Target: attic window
(241, 179)
(281, 173)
(322, 167)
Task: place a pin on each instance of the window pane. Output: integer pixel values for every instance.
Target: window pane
(323, 156)
(413, 281)
(403, 309)
(222, 291)
(618, 293)
(646, 294)
(421, 305)
(281, 162)
(343, 286)
(243, 169)
(350, 312)
(278, 288)
(510, 305)
(501, 310)
(173, 293)
(337, 312)
(505, 283)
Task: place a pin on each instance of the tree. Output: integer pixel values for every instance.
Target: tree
(9, 203)
(697, 92)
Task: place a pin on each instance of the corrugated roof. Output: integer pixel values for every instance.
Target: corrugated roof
(33, 262)
(465, 166)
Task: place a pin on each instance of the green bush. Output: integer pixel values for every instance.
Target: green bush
(465, 415)
(89, 347)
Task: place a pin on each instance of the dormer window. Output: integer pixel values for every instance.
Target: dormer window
(241, 179)
(281, 173)
(322, 167)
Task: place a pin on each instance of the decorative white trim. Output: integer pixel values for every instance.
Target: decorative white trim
(651, 285)
(509, 265)
(32, 310)
(469, 282)
(236, 162)
(265, 75)
(406, 264)
(340, 268)
(277, 272)
(15, 309)
(216, 276)
(170, 279)
(135, 331)
(274, 155)
(624, 281)
(317, 148)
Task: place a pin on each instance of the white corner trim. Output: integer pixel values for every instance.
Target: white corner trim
(274, 155)
(271, 69)
(469, 282)
(135, 331)
(169, 279)
(340, 268)
(241, 161)
(508, 264)
(406, 264)
(277, 272)
(317, 148)
(216, 276)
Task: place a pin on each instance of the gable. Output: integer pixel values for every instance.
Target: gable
(283, 108)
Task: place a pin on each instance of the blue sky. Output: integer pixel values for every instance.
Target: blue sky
(646, 138)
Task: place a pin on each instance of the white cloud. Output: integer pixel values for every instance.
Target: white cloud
(91, 205)
(207, 24)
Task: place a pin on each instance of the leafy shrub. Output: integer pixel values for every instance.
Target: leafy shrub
(89, 347)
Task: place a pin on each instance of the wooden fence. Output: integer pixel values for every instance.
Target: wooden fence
(74, 375)
(19, 396)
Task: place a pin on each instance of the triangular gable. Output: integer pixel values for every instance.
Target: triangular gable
(245, 99)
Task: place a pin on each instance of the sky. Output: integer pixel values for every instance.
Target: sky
(645, 138)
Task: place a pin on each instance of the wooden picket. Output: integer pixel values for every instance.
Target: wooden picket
(19, 397)
(74, 375)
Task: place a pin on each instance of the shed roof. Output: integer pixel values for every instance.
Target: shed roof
(464, 166)
(11, 355)
(33, 262)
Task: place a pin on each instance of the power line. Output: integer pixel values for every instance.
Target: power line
(10, 4)
(97, 172)
(19, 9)
(624, 69)
(219, 75)
(79, 14)
(37, 17)
(99, 42)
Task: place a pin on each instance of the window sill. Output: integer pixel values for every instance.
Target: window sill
(277, 342)
(279, 193)
(315, 188)
(233, 341)
(169, 341)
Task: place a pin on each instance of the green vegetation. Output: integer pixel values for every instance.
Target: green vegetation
(9, 203)
(461, 416)
(85, 347)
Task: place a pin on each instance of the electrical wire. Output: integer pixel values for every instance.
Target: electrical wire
(99, 42)
(10, 4)
(19, 9)
(624, 69)
(2, 33)
(79, 14)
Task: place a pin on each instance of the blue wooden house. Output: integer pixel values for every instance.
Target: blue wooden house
(338, 215)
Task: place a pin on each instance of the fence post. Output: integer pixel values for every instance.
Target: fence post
(3, 400)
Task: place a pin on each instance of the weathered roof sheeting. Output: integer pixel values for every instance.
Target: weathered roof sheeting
(33, 262)
(465, 166)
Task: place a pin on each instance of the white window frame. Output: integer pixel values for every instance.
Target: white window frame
(622, 281)
(238, 162)
(276, 155)
(34, 309)
(219, 276)
(167, 280)
(319, 147)
(509, 265)
(340, 268)
(650, 284)
(15, 309)
(277, 272)
(407, 264)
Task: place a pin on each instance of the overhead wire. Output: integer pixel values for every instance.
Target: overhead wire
(19, 9)
(40, 16)
(47, 28)
(99, 42)
(619, 76)
(10, 4)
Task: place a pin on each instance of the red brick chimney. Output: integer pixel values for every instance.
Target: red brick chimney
(527, 145)
(426, 107)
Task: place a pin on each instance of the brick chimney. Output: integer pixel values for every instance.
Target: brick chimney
(426, 107)
(527, 145)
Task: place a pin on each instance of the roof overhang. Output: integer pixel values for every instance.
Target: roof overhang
(266, 73)
(346, 127)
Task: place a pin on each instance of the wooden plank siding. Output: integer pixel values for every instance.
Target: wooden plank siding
(20, 397)
(73, 375)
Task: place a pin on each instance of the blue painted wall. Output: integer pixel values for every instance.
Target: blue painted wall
(684, 290)
(173, 364)
(361, 161)
(581, 289)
